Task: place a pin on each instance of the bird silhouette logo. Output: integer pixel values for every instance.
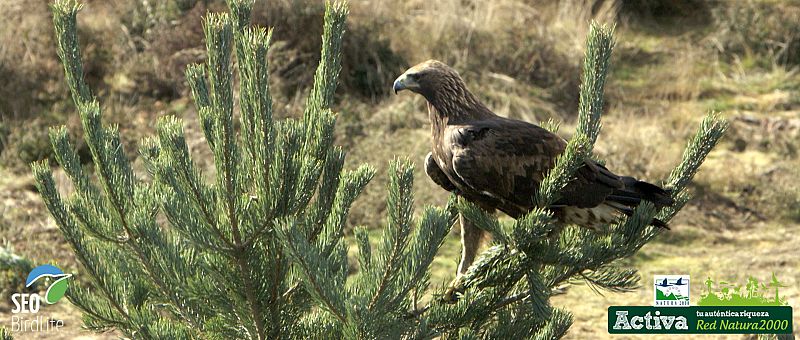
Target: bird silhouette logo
(57, 288)
(663, 283)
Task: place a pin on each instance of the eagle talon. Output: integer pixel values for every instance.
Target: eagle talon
(454, 291)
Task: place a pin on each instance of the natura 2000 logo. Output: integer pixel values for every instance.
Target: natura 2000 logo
(671, 291)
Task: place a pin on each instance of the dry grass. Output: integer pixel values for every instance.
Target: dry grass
(537, 42)
(521, 57)
(26, 60)
(759, 32)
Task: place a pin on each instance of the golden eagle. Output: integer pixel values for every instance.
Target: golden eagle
(498, 163)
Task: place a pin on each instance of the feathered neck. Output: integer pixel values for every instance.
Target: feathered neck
(452, 102)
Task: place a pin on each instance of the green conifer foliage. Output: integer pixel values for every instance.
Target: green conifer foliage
(258, 251)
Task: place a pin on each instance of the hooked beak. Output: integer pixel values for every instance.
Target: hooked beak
(404, 82)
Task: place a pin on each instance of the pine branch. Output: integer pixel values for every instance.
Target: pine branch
(196, 77)
(316, 270)
(64, 20)
(177, 170)
(557, 327)
(364, 248)
(482, 220)
(551, 125)
(566, 164)
(52, 199)
(612, 278)
(400, 204)
(599, 45)
(707, 137)
(219, 37)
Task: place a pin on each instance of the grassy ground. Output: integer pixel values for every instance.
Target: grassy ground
(670, 67)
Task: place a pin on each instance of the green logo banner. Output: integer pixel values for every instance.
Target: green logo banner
(700, 320)
(752, 293)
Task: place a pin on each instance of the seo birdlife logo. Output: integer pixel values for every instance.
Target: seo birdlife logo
(25, 316)
(30, 303)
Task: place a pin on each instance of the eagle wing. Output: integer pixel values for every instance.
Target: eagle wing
(437, 175)
(507, 159)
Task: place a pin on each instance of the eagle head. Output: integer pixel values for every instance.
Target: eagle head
(444, 90)
(427, 78)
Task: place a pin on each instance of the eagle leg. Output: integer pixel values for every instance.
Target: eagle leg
(471, 237)
(470, 240)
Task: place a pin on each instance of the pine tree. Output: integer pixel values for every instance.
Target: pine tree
(258, 250)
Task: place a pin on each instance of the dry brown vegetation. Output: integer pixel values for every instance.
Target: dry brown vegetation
(673, 63)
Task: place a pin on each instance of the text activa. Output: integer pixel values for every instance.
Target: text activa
(650, 322)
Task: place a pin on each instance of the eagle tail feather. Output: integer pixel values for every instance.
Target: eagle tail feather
(625, 209)
(628, 211)
(634, 189)
(627, 201)
(659, 223)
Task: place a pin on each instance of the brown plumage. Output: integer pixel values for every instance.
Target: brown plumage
(499, 163)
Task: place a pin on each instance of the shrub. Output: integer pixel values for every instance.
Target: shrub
(758, 29)
(259, 251)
